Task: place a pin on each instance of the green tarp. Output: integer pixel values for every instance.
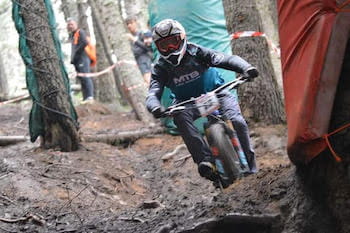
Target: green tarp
(205, 24)
(36, 123)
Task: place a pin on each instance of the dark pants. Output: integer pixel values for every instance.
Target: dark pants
(144, 62)
(87, 86)
(194, 141)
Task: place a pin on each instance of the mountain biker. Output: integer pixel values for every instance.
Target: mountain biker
(188, 70)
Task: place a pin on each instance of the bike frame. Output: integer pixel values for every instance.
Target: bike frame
(216, 118)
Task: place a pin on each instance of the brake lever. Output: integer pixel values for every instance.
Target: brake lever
(176, 109)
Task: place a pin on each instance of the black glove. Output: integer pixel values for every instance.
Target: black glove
(158, 112)
(251, 73)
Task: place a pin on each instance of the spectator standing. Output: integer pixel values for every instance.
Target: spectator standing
(141, 47)
(80, 59)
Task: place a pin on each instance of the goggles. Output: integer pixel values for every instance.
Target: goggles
(169, 44)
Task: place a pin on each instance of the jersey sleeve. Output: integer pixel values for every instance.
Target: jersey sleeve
(156, 88)
(218, 59)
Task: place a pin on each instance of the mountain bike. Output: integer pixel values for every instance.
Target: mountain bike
(230, 160)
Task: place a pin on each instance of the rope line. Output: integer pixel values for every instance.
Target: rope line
(39, 26)
(342, 6)
(45, 59)
(29, 9)
(31, 66)
(326, 137)
(50, 93)
(75, 123)
(35, 42)
(109, 68)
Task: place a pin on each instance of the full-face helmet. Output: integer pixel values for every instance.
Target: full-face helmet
(170, 38)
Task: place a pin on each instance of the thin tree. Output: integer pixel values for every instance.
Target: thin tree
(69, 8)
(53, 101)
(129, 74)
(106, 90)
(105, 49)
(82, 7)
(107, 85)
(3, 82)
(261, 99)
(137, 8)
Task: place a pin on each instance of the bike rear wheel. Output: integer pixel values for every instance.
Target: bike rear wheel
(217, 138)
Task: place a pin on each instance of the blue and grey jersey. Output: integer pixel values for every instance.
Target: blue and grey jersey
(195, 75)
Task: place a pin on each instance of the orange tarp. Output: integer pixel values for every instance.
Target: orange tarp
(312, 42)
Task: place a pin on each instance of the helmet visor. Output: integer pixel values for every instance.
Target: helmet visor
(169, 44)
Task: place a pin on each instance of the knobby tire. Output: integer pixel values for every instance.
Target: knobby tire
(227, 153)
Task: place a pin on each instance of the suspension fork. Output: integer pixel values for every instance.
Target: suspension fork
(212, 119)
(231, 132)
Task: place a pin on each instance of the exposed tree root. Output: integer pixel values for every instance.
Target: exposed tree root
(8, 140)
(174, 152)
(122, 137)
(16, 99)
(239, 222)
(36, 219)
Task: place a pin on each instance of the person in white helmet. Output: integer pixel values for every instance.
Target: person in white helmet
(189, 70)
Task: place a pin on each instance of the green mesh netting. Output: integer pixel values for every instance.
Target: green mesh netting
(205, 24)
(36, 123)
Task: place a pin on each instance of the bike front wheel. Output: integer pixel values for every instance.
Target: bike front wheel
(219, 141)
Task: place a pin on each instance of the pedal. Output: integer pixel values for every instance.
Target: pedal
(244, 170)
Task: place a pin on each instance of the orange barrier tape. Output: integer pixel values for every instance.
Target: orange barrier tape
(342, 6)
(326, 137)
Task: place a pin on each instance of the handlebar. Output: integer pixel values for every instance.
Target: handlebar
(227, 86)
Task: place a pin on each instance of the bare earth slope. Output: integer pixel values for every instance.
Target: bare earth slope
(130, 188)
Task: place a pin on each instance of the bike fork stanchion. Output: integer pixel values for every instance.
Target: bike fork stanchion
(237, 145)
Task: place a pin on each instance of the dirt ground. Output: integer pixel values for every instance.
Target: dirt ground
(131, 187)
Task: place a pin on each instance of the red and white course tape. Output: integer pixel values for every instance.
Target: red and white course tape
(274, 48)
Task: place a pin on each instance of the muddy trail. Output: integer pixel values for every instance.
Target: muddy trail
(148, 185)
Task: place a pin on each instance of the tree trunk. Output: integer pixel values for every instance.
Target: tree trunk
(106, 90)
(69, 8)
(129, 73)
(268, 12)
(83, 17)
(100, 32)
(3, 82)
(336, 176)
(137, 8)
(60, 128)
(261, 99)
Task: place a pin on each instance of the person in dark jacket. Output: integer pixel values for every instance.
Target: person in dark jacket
(141, 47)
(80, 59)
(188, 70)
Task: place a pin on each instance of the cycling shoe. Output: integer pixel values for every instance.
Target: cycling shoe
(207, 170)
